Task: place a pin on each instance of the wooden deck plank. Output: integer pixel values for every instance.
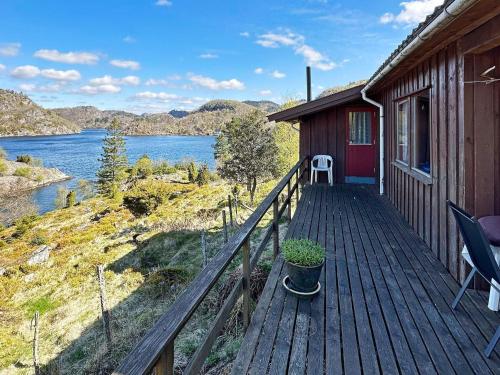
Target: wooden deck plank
(384, 303)
(363, 327)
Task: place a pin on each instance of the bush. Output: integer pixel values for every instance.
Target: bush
(23, 159)
(143, 168)
(3, 167)
(144, 198)
(38, 240)
(183, 164)
(304, 253)
(71, 199)
(23, 172)
(203, 176)
(3, 153)
(162, 168)
(192, 172)
(61, 199)
(85, 189)
(24, 223)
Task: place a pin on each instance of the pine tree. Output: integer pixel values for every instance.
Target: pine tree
(203, 177)
(113, 160)
(71, 199)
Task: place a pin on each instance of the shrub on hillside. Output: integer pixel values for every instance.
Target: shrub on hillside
(203, 177)
(71, 199)
(61, 197)
(23, 159)
(161, 168)
(183, 164)
(3, 153)
(24, 223)
(38, 240)
(143, 168)
(145, 197)
(3, 167)
(23, 172)
(192, 172)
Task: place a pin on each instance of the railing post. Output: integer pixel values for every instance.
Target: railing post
(224, 224)
(246, 282)
(230, 210)
(289, 202)
(276, 234)
(297, 197)
(165, 365)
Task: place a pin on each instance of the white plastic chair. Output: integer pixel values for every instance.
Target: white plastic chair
(324, 163)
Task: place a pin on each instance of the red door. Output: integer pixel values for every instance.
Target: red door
(361, 146)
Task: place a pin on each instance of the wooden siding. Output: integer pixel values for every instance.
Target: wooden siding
(465, 151)
(325, 133)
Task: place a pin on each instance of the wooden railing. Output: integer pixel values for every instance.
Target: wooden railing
(155, 352)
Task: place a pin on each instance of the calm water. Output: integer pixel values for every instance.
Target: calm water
(77, 154)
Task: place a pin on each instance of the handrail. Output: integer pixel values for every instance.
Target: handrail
(156, 347)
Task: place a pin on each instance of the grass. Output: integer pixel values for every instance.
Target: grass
(305, 253)
(149, 259)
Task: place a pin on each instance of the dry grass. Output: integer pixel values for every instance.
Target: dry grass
(150, 261)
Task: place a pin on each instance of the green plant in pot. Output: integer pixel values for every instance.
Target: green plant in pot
(304, 260)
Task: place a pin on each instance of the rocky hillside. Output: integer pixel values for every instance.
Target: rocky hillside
(20, 116)
(207, 119)
(16, 177)
(266, 106)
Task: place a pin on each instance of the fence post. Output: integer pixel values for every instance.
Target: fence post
(230, 204)
(204, 248)
(224, 222)
(276, 234)
(165, 365)
(104, 305)
(289, 202)
(246, 282)
(35, 326)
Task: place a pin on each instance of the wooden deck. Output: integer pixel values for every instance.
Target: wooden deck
(383, 305)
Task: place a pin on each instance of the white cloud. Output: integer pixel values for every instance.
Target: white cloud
(9, 49)
(99, 89)
(277, 74)
(25, 72)
(61, 75)
(413, 12)
(265, 92)
(258, 71)
(209, 56)
(245, 34)
(157, 82)
(129, 39)
(2, 67)
(286, 38)
(275, 40)
(315, 58)
(163, 96)
(109, 80)
(126, 64)
(212, 84)
(30, 87)
(86, 58)
(163, 3)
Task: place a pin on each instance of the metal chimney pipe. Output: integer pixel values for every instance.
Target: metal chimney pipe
(308, 75)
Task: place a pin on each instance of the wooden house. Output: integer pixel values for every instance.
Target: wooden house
(437, 98)
(424, 129)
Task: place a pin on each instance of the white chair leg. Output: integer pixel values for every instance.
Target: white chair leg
(316, 177)
(312, 176)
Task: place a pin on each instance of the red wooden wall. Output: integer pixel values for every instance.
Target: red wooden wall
(465, 149)
(325, 133)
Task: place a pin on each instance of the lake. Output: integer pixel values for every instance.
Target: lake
(77, 155)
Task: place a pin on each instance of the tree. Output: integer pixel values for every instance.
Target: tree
(203, 176)
(112, 172)
(192, 172)
(85, 189)
(3, 153)
(246, 152)
(286, 138)
(61, 199)
(143, 168)
(71, 199)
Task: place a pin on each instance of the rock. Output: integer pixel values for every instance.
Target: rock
(29, 277)
(40, 255)
(3, 271)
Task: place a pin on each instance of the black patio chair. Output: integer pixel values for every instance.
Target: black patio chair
(481, 256)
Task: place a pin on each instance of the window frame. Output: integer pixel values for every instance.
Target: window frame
(408, 132)
(414, 137)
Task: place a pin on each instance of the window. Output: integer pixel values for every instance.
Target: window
(360, 128)
(402, 131)
(421, 133)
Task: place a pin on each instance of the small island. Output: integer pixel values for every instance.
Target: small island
(26, 173)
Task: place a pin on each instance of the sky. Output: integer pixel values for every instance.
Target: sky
(158, 55)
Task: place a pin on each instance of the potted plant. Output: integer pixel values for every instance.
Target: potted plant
(304, 260)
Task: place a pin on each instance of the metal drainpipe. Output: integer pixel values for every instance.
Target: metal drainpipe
(381, 168)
